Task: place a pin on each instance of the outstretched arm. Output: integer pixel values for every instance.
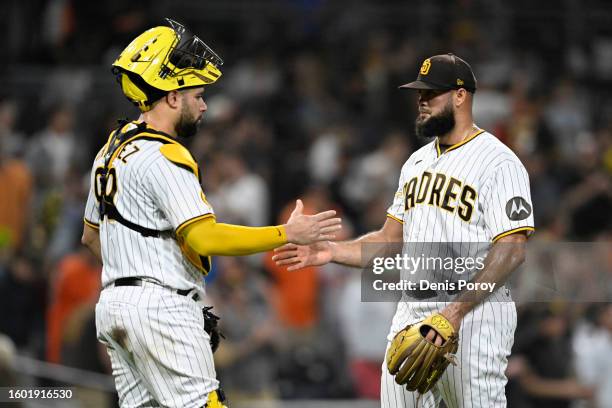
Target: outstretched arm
(207, 237)
(346, 252)
(350, 252)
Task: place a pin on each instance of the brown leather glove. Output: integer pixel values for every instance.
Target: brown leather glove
(417, 362)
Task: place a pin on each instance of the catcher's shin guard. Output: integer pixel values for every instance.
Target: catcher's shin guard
(216, 399)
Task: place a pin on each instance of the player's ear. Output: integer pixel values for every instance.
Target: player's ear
(460, 96)
(174, 99)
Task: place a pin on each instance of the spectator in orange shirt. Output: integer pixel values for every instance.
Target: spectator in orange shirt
(297, 293)
(76, 286)
(15, 185)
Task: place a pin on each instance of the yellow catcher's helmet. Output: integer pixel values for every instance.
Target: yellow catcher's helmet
(164, 59)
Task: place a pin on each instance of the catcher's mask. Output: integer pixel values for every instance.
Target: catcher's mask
(164, 59)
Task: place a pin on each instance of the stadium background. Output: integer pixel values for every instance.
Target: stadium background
(307, 107)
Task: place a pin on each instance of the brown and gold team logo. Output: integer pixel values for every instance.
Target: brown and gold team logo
(425, 67)
(439, 323)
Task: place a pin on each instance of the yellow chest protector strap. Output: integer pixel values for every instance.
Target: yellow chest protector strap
(207, 238)
(126, 132)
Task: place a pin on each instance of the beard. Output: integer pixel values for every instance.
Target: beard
(187, 126)
(438, 125)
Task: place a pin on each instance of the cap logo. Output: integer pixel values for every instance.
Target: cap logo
(459, 82)
(425, 67)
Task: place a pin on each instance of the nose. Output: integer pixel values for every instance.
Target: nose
(203, 107)
(422, 100)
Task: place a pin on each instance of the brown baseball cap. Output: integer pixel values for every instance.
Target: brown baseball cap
(445, 72)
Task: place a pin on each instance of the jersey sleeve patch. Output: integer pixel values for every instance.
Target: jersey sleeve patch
(518, 209)
(180, 156)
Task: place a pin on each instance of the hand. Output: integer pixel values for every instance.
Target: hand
(434, 337)
(454, 315)
(307, 229)
(419, 361)
(517, 367)
(302, 256)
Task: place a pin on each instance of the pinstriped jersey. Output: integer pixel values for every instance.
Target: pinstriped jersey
(475, 191)
(155, 193)
(467, 197)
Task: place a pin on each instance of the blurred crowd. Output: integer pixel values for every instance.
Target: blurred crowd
(307, 107)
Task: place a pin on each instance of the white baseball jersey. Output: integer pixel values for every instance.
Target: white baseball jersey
(474, 192)
(154, 193)
(462, 194)
(155, 337)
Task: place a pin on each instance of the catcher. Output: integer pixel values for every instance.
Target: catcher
(466, 194)
(148, 221)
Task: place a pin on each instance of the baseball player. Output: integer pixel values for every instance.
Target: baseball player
(148, 221)
(464, 187)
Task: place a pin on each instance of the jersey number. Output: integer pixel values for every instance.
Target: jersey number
(111, 184)
(127, 151)
(111, 178)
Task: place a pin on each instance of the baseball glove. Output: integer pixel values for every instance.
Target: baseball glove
(417, 362)
(211, 326)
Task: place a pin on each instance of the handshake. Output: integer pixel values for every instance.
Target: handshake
(308, 238)
(304, 229)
